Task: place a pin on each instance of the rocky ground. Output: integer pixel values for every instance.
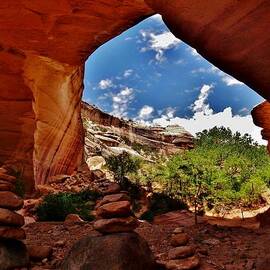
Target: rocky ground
(218, 248)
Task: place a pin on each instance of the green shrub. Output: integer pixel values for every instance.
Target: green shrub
(55, 207)
(19, 188)
(121, 165)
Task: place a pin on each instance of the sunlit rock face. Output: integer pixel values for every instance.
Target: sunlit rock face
(261, 116)
(108, 135)
(44, 45)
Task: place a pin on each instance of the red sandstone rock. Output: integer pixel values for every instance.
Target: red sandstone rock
(12, 232)
(116, 225)
(181, 252)
(180, 239)
(113, 198)
(183, 264)
(8, 217)
(44, 47)
(114, 209)
(71, 218)
(8, 178)
(10, 200)
(38, 253)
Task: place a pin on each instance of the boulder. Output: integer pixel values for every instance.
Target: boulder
(96, 162)
(8, 217)
(5, 186)
(121, 251)
(10, 200)
(8, 178)
(13, 254)
(38, 253)
(113, 198)
(180, 239)
(114, 209)
(112, 188)
(73, 218)
(183, 264)
(115, 225)
(98, 174)
(181, 252)
(12, 232)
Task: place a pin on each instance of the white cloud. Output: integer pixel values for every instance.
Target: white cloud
(104, 84)
(227, 79)
(121, 101)
(159, 43)
(128, 72)
(145, 112)
(205, 118)
(200, 106)
(157, 17)
(230, 80)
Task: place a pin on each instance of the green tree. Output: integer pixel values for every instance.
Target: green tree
(121, 165)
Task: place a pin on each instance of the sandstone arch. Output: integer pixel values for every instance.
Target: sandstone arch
(44, 45)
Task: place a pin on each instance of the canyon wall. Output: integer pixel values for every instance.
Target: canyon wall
(44, 45)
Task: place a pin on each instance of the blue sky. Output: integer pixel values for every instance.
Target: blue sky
(148, 75)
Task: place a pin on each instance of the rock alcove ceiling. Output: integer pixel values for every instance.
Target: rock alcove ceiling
(44, 45)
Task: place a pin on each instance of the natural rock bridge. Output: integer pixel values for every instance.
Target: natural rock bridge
(44, 45)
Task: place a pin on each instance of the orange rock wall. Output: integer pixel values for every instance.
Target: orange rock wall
(44, 45)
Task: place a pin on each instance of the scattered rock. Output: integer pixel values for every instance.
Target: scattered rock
(8, 217)
(13, 254)
(115, 225)
(12, 232)
(122, 251)
(10, 200)
(60, 178)
(179, 230)
(98, 174)
(60, 243)
(8, 178)
(38, 253)
(114, 209)
(180, 239)
(183, 264)
(45, 189)
(4, 186)
(211, 241)
(72, 218)
(181, 252)
(112, 188)
(113, 198)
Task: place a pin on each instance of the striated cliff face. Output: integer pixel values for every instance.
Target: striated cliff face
(44, 45)
(106, 135)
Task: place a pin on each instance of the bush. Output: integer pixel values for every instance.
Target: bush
(55, 207)
(121, 165)
(225, 170)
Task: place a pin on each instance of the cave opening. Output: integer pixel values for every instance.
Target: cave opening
(146, 88)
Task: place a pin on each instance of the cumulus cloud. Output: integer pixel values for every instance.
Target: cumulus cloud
(145, 112)
(200, 106)
(205, 118)
(159, 43)
(121, 101)
(128, 72)
(104, 84)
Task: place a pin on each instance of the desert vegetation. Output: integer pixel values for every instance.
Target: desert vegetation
(225, 170)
